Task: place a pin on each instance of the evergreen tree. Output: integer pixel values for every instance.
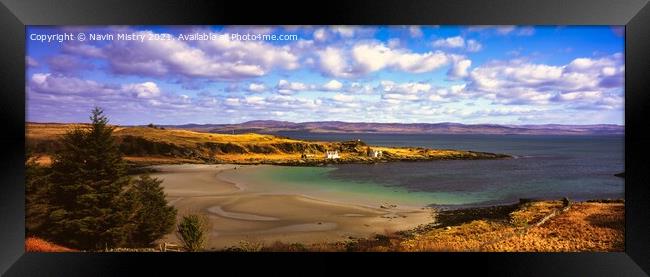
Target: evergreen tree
(92, 202)
(154, 218)
(88, 178)
(36, 196)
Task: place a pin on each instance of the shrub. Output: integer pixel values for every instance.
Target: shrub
(192, 232)
(249, 246)
(279, 246)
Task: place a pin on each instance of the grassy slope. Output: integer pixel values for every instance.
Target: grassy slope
(583, 227)
(151, 146)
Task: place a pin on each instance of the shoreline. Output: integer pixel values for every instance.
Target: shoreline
(242, 212)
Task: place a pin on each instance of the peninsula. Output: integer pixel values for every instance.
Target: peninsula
(158, 145)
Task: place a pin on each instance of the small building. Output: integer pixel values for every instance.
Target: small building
(375, 153)
(332, 154)
(306, 156)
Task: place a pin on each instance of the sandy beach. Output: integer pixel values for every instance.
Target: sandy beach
(259, 214)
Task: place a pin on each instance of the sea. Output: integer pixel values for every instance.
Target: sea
(543, 167)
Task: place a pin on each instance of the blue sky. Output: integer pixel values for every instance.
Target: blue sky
(407, 74)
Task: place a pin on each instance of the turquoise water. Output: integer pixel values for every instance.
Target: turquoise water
(549, 167)
(317, 182)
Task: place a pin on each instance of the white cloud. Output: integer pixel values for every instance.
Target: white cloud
(332, 63)
(214, 59)
(583, 80)
(333, 85)
(394, 43)
(231, 101)
(344, 31)
(61, 85)
(142, 90)
(415, 31)
(526, 31)
(405, 88)
(46, 83)
(286, 87)
(459, 69)
(360, 88)
(581, 95)
(450, 42)
(470, 45)
(343, 97)
(320, 34)
(256, 87)
(373, 57)
(504, 30)
(457, 88)
(255, 100)
(473, 46)
(367, 57)
(400, 97)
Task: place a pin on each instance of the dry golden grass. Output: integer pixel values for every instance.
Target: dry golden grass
(42, 131)
(467, 237)
(583, 227)
(191, 138)
(533, 212)
(37, 131)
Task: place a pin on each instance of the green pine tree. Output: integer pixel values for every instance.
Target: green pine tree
(36, 196)
(153, 217)
(92, 202)
(88, 178)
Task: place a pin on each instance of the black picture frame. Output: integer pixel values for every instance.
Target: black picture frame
(634, 14)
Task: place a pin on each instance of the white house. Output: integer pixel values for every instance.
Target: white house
(375, 153)
(333, 154)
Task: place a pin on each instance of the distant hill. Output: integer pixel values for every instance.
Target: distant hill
(270, 126)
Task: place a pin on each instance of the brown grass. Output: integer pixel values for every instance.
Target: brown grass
(533, 212)
(584, 227)
(467, 237)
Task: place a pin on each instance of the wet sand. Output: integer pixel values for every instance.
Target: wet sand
(257, 214)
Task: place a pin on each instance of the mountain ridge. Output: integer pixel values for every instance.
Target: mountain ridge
(273, 126)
